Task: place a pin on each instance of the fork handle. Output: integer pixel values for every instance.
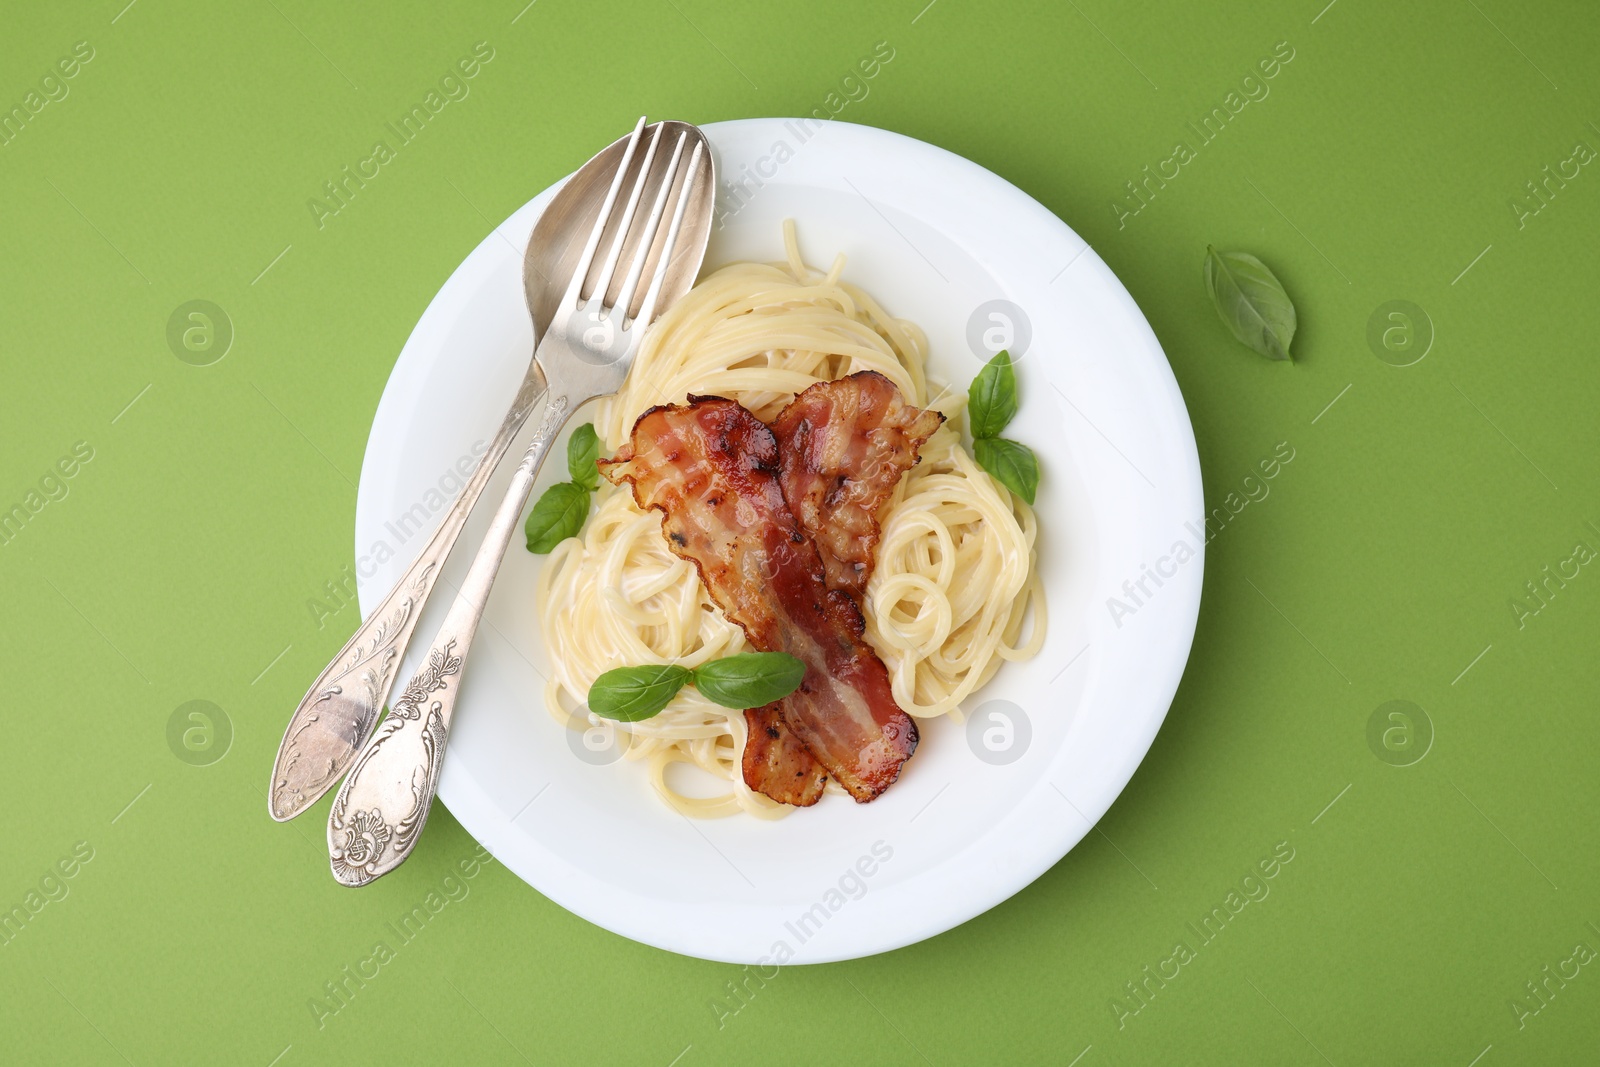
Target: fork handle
(337, 714)
(383, 804)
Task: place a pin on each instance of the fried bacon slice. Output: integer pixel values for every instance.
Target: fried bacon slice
(842, 448)
(711, 468)
(776, 763)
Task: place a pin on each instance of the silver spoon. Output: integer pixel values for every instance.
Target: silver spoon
(585, 354)
(340, 709)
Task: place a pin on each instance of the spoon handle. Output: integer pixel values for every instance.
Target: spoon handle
(337, 714)
(383, 804)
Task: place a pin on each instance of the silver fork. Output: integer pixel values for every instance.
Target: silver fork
(585, 354)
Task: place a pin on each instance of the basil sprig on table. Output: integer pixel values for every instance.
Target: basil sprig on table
(562, 509)
(1252, 302)
(748, 680)
(991, 405)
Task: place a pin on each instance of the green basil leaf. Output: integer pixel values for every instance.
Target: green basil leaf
(993, 401)
(749, 680)
(558, 515)
(1251, 301)
(629, 694)
(583, 449)
(1012, 464)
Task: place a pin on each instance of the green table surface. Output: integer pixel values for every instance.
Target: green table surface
(1430, 542)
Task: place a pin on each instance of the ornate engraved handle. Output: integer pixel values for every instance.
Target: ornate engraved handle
(383, 804)
(337, 714)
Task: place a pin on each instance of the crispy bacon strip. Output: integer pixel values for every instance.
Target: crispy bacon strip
(777, 763)
(843, 447)
(711, 469)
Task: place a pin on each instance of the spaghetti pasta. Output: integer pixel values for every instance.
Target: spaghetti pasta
(954, 593)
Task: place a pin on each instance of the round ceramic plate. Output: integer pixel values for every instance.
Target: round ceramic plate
(984, 807)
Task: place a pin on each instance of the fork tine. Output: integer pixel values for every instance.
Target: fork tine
(647, 236)
(647, 309)
(621, 238)
(575, 286)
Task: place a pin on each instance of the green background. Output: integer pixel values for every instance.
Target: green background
(1382, 566)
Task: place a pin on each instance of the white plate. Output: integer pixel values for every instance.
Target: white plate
(933, 237)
